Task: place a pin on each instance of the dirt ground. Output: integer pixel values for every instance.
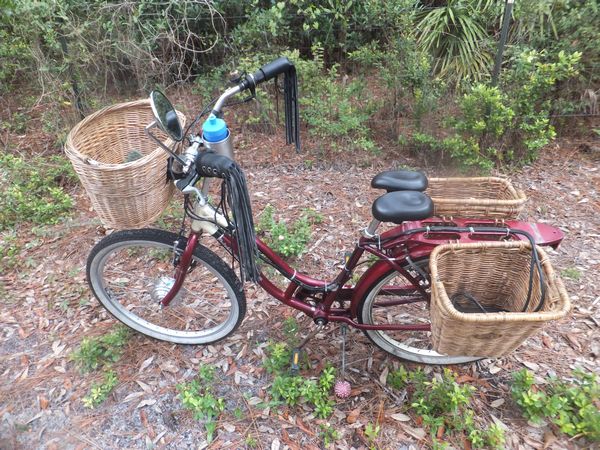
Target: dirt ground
(48, 309)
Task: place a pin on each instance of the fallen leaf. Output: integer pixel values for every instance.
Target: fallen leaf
(417, 433)
(147, 402)
(547, 341)
(497, 403)
(531, 365)
(464, 378)
(400, 417)
(549, 438)
(253, 401)
(229, 427)
(275, 444)
(352, 416)
(43, 401)
(146, 363)
(383, 376)
(494, 370)
(132, 396)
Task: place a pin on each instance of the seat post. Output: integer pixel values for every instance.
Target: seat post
(370, 230)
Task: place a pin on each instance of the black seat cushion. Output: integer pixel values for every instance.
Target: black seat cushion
(400, 180)
(397, 207)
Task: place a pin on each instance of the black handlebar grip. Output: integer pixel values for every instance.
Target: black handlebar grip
(213, 165)
(267, 72)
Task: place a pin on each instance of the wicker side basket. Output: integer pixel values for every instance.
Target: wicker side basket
(497, 275)
(480, 197)
(124, 194)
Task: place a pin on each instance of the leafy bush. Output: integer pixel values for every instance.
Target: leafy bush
(102, 350)
(197, 396)
(444, 406)
(100, 391)
(30, 190)
(508, 124)
(287, 240)
(293, 389)
(335, 109)
(571, 404)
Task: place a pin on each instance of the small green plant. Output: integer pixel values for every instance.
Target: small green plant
(571, 273)
(293, 389)
(571, 404)
(100, 391)
(444, 406)
(101, 350)
(197, 396)
(278, 357)
(372, 433)
(398, 379)
(31, 191)
(9, 250)
(251, 442)
(328, 434)
(288, 240)
(18, 122)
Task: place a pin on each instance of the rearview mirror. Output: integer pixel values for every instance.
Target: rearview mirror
(165, 115)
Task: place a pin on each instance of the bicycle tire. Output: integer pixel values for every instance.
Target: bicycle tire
(402, 344)
(130, 271)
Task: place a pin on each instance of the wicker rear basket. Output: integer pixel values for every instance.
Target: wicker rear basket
(124, 194)
(497, 275)
(482, 197)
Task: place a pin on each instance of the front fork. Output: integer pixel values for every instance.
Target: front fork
(210, 222)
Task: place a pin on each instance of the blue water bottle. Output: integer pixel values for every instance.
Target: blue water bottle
(216, 136)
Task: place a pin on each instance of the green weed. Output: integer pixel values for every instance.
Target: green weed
(328, 434)
(31, 192)
(287, 240)
(372, 433)
(571, 273)
(197, 396)
(444, 404)
(100, 391)
(571, 404)
(295, 389)
(101, 350)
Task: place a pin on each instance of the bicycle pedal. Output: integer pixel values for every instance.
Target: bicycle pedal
(295, 363)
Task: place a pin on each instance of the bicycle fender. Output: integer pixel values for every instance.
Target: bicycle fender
(371, 276)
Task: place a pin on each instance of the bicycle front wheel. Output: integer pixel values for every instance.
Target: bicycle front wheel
(394, 300)
(131, 271)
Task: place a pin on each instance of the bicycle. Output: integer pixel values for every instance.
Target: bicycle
(172, 287)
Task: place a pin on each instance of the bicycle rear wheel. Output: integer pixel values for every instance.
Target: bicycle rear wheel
(393, 299)
(130, 271)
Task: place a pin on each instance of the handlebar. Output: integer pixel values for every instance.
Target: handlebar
(267, 72)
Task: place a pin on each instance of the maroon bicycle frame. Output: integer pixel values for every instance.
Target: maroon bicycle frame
(401, 245)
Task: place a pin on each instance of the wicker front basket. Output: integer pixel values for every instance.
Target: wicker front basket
(124, 194)
(481, 197)
(497, 275)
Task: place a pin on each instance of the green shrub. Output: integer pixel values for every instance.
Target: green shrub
(100, 391)
(102, 350)
(287, 240)
(505, 125)
(293, 389)
(335, 108)
(30, 190)
(571, 404)
(444, 404)
(198, 397)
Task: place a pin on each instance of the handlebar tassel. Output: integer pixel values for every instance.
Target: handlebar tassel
(236, 195)
(292, 121)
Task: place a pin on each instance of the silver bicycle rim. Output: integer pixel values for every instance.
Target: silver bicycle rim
(223, 320)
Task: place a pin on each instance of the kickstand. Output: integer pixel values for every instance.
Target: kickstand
(344, 328)
(298, 350)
